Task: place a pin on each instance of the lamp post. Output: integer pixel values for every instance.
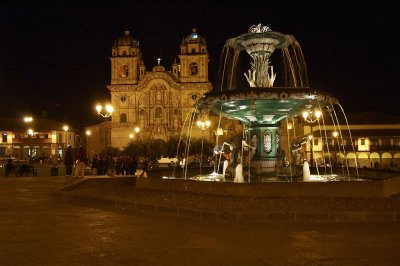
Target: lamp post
(28, 120)
(105, 113)
(66, 134)
(311, 116)
(335, 135)
(203, 125)
(88, 133)
(310, 137)
(217, 151)
(137, 129)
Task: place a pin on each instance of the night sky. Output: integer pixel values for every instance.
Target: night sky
(55, 57)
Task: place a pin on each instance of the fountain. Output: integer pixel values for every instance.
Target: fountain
(264, 100)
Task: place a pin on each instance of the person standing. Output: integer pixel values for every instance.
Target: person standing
(118, 165)
(110, 166)
(68, 161)
(145, 165)
(80, 163)
(95, 165)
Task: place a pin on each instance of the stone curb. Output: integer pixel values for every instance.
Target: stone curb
(125, 206)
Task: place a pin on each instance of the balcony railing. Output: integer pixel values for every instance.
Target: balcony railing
(384, 148)
(31, 141)
(349, 148)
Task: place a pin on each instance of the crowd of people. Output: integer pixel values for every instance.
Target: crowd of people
(103, 165)
(122, 165)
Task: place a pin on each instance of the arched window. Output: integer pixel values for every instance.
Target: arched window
(122, 118)
(194, 69)
(158, 113)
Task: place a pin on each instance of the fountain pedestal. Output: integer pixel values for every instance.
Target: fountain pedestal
(268, 155)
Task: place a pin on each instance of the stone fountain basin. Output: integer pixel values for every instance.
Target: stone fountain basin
(337, 189)
(263, 105)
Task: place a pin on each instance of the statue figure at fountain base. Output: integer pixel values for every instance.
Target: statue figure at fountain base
(306, 171)
(239, 174)
(226, 164)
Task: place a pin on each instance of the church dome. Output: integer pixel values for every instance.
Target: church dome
(193, 37)
(126, 40)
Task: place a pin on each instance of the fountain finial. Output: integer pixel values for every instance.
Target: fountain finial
(259, 29)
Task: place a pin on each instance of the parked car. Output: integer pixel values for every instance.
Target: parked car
(167, 160)
(190, 160)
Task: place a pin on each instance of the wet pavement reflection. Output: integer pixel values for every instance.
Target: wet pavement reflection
(37, 230)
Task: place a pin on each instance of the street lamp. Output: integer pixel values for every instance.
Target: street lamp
(220, 132)
(335, 135)
(310, 137)
(109, 109)
(311, 116)
(28, 119)
(88, 133)
(203, 125)
(137, 129)
(66, 134)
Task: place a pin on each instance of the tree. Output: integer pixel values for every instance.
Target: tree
(112, 151)
(156, 148)
(172, 146)
(196, 147)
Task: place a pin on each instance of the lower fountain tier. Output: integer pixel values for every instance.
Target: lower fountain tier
(263, 106)
(265, 167)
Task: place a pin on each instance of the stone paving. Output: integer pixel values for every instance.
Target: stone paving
(37, 228)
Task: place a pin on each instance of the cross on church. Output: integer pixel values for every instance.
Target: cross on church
(159, 60)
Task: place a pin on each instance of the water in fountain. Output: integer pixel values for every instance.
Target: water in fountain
(306, 171)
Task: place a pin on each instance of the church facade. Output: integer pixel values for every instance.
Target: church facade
(158, 102)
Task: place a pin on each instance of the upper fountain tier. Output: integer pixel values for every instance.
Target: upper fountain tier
(260, 40)
(260, 43)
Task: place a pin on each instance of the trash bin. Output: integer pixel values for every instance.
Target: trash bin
(54, 171)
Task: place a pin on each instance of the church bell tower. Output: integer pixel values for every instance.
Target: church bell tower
(125, 60)
(193, 58)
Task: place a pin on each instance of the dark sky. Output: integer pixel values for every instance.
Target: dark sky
(55, 57)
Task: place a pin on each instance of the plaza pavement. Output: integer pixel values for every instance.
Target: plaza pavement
(37, 228)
